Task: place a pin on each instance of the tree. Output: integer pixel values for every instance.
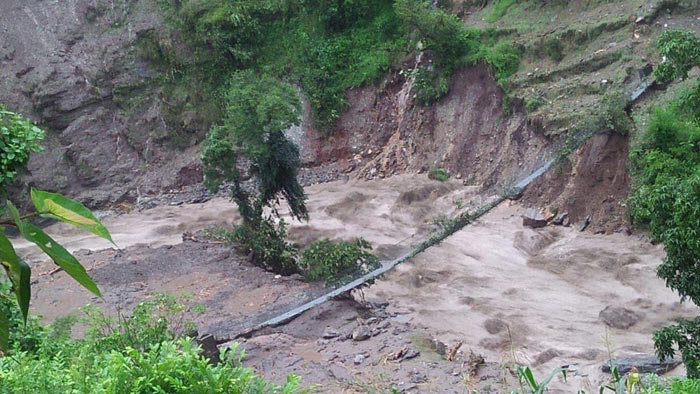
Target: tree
(667, 198)
(19, 138)
(251, 139)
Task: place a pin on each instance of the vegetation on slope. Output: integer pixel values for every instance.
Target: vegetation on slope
(329, 46)
(667, 195)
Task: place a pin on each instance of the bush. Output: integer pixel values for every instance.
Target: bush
(19, 137)
(666, 199)
(533, 103)
(554, 49)
(335, 262)
(614, 115)
(680, 50)
(429, 85)
(161, 360)
(265, 241)
(438, 174)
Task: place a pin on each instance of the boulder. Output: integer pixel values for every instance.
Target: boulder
(619, 317)
(643, 364)
(559, 219)
(361, 333)
(549, 214)
(330, 333)
(582, 224)
(358, 359)
(532, 218)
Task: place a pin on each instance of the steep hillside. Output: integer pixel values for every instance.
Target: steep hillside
(124, 123)
(76, 68)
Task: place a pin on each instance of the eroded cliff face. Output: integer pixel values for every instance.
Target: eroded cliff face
(384, 132)
(74, 67)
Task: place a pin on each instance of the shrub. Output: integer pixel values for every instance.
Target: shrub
(265, 241)
(533, 103)
(680, 50)
(335, 262)
(666, 197)
(429, 85)
(19, 137)
(614, 115)
(438, 174)
(165, 317)
(554, 49)
(162, 360)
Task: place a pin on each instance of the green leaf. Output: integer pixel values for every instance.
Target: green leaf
(58, 253)
(19, 273)
(68, 211)
(4, 329)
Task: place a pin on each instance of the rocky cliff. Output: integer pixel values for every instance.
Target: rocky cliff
(74, 67)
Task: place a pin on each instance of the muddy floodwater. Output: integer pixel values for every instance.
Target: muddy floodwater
(503, 289)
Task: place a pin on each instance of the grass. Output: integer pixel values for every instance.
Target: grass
(500, 7)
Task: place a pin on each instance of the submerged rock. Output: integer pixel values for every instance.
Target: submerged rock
(619, 317)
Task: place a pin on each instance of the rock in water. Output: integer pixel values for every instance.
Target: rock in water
(619, 317)
(643, 364)
(581, 225)
(533, 219)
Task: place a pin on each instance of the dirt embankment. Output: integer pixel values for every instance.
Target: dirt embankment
(593, 181)
(384, 132)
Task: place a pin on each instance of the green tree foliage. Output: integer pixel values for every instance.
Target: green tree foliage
(19, 137)
(667, 195)
(335, 262)
(266, 242)
(259, 109)
(329, 46)
(681, 51)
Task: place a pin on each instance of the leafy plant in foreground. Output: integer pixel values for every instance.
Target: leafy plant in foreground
(20, 138)
(155, 357)
(529, 384)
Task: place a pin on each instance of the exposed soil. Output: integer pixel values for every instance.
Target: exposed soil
(236, 294)
(593, 182)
